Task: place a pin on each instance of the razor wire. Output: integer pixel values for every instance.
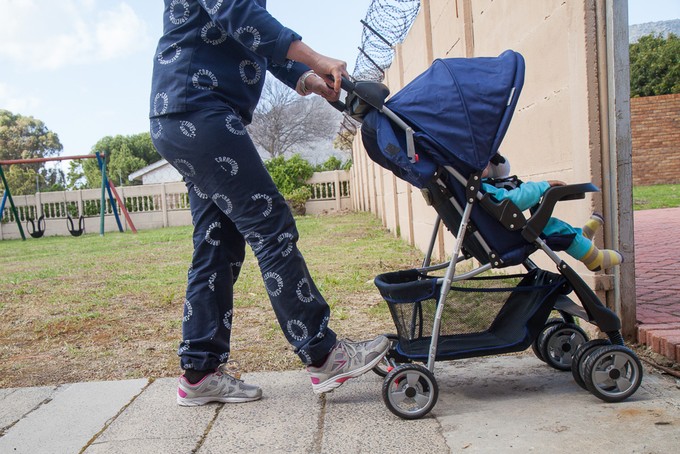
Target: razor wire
(386, 24)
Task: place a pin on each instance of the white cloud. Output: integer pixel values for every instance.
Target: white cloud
(9, 100)
(44, 34)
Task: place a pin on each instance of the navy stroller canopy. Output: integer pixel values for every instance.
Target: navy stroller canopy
(460, 109)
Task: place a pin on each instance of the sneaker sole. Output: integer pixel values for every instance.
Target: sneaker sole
(198, 401)
(337, 380)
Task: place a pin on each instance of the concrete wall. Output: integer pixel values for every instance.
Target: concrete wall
(562, 127)
(655, 125)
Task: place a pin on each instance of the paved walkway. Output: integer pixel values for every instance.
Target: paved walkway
(657, 280)
(505, 404)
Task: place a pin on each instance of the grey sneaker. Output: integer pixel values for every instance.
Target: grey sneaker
(216, 387)
(347, 360)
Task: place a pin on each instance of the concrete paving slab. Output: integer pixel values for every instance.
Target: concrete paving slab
(154, 423)
(15, 403)
(358, 421)
(74, 415)
(286, 419)
(519, 404)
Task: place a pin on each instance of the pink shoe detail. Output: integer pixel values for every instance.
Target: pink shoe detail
(342, 380)
(181, 393)
(315, 381)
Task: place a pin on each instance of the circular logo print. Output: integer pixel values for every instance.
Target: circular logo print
(250, 72)
(204, 79)
(273, 278)
(212, 34)
(169, 55)
(184, 167)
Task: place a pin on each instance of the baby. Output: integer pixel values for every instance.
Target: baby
(526, 195)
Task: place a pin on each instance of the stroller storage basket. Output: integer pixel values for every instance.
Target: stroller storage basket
(493, 314)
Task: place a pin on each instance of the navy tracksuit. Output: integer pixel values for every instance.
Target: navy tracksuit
(208, 74)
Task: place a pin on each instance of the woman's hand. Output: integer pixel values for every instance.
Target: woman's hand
(316, 84)
(329, 70)
(554, 183)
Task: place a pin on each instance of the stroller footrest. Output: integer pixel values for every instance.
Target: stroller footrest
(459, 346)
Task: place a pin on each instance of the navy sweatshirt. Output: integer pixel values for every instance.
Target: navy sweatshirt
(217, 51)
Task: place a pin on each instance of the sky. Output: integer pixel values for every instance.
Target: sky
(83, 67)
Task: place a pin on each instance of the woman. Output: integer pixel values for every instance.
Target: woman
(207, 79)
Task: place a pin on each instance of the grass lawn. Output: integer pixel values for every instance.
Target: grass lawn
(658, 196)
(109, 308)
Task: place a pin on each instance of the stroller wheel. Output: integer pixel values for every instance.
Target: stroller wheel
(410, 391)
(391, 359)
(577, 362)
(535, 345)
(612, 372)
(559, 343)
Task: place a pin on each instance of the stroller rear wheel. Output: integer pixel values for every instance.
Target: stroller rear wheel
(410, 391)
(612, 372)
(559, 343)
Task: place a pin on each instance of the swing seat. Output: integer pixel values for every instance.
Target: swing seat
(71, 227)
(36, 229)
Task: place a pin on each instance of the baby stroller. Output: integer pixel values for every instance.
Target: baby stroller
(439, 133)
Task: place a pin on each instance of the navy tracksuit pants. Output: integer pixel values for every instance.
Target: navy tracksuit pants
(233, 202)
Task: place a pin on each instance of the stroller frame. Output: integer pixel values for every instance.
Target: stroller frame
(606, 368)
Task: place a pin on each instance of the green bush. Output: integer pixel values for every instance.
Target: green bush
(289, 174)
(298, 198)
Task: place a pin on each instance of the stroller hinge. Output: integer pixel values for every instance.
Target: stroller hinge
(495, 259)
(472, 186)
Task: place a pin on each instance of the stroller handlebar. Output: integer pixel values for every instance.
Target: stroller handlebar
(361, 97)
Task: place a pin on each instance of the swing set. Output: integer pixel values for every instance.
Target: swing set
(38, 229)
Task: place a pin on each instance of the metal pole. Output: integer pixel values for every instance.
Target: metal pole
(102, 211)
(8, 194)
(107, 183)
(37, 160)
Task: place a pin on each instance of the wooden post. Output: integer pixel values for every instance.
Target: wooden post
(620, 233)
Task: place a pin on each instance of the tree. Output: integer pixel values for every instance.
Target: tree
(283, 121)
(333, 163)
(23, 138)
(655, 66)
(123, 154)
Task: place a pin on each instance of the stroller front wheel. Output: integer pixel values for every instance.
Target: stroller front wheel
(410, 391)
(612, 372)
(559, 343)
(536, 344)
(578, 361)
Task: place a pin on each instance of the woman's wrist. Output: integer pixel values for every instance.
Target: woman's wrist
(301, 86)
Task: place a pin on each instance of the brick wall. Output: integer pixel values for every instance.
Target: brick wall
(655, 128)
